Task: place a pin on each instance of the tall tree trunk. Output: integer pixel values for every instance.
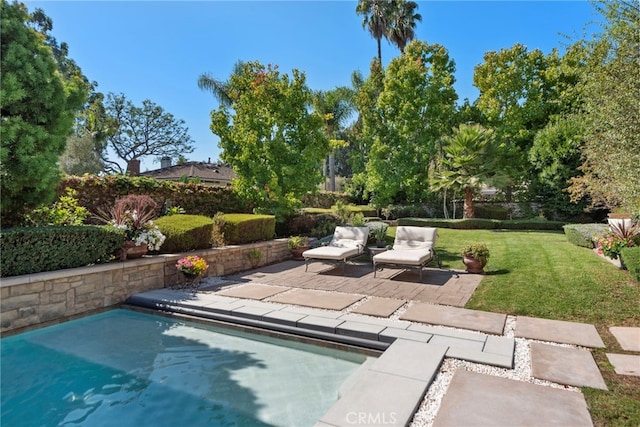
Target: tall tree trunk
(324, 174)
(332, 172)
(468, 204)
(380, 51)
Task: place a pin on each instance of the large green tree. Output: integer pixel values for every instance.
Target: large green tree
(516, 99)
(610, 94)
(143, 131)
(269, 136)
(414, 110)
(37, 105)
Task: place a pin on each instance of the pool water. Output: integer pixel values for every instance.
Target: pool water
(125, 368)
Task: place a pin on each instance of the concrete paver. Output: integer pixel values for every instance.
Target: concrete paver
(482, 400)
(319, 299)
(628, 338)
(625, 364)
(558, 331)
(252, 291)
(381, 307)
(411, 359)
(565, 366)
(492, 323)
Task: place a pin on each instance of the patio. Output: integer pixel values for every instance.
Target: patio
(438, 286)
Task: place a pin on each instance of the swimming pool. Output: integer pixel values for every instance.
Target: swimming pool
(127, 368)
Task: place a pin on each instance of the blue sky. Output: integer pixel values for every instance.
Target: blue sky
(157, 49)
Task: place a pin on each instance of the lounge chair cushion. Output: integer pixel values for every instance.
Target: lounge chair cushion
(346, 242)
(413, 246)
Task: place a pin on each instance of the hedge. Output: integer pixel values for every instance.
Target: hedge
(631, 260)
(185, 232)
(485, 224)
(28, 250)
(100, 192)
(247, 228)
(584, 235)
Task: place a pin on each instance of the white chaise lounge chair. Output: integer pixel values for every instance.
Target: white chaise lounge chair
(347, 242)
(413, 247)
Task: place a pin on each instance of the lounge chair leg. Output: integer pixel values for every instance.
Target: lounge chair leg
(306, 265)
(420, 273)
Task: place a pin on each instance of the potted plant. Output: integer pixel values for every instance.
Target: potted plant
(475, 257)
(192, 268)
(297, 245)
(380, 233)
(134, 215)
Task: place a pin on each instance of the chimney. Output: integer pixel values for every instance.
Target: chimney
(165, 162)
(133, 167)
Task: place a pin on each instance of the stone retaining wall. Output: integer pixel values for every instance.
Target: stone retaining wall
(36, 299)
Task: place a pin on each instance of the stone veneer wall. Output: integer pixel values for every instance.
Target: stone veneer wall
(36, 299)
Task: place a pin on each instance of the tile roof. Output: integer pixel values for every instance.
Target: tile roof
(207, 172)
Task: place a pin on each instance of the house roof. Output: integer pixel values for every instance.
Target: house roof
(203, 170)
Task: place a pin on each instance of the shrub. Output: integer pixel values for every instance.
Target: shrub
(631, 260)
(65, 211)
(185, 232)
(584, 235)
(323, 199)
(36, 249)
(491, 212)
(486, 224)
(247, 228)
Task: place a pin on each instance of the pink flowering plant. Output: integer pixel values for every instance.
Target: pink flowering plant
(610, 245)
(192, 265)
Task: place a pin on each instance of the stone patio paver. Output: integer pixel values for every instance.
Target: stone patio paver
(252, 291)
(625, 364)
(482, 400)
(559, 331)
(564, 365)
(492, 323)
(318, 299)
(628, 337)
(381, 307)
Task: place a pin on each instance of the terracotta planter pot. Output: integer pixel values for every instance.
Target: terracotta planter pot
(473, 265)
(131, 251)
(297, 252)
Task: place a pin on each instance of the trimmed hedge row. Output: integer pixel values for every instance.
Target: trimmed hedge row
(584, 235)
(631, 260)
(483, 224)
(100, 192)
(185, 232)
(36, 249)
(247, 228)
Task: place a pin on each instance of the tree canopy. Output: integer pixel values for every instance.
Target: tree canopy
(269, 136)
(37, 105)
(143, 131)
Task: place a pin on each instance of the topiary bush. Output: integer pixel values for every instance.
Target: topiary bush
(185, 232)
(492, 212)
(36, 249)
(247, 228)
(631, 260)
(584, 235)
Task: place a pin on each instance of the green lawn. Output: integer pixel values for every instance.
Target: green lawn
(541, 274)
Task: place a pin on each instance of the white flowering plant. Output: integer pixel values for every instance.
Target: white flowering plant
(133, 214)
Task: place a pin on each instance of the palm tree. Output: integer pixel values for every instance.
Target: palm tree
(403, 24)
(219, 88)
(377, 18)
(335, 107)
(467, 163)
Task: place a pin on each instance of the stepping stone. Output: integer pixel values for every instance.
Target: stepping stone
(252, 291)
(565, 366)
(381, 307)
(558, 331)
(482, 400)
(628, 338)
(625, 364)
(492, 323)
(317, 299)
